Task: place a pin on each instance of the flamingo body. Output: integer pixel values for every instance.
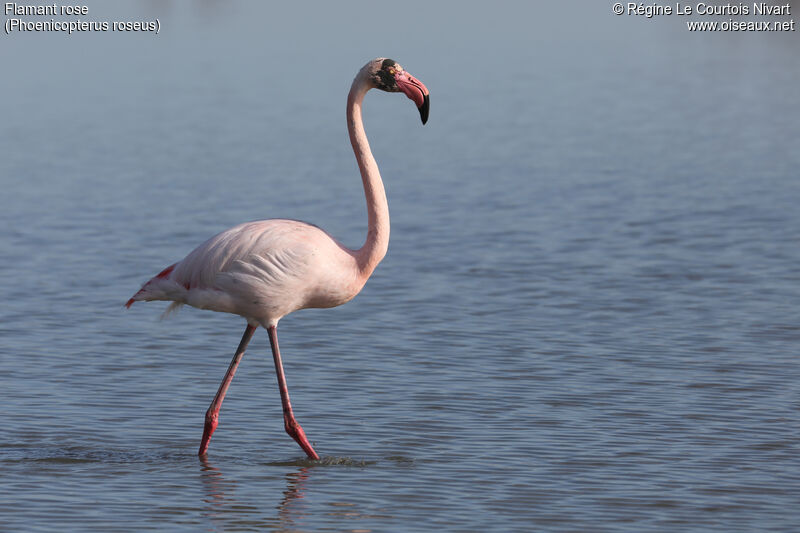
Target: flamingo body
(262, 271)
(266, 269)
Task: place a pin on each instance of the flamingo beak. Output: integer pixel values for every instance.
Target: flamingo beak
(416, 91)
(423, 109)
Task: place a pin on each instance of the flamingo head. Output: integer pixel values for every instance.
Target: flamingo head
(388, 75)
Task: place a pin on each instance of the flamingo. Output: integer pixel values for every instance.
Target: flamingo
(266, 269)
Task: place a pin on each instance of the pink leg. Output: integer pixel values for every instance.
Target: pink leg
(212, 415)
(292, 427)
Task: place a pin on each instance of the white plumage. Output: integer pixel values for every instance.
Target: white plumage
(261, 271)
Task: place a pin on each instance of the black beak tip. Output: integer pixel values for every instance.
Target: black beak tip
(423, 109)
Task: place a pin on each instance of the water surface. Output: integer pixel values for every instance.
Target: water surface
(587, 319)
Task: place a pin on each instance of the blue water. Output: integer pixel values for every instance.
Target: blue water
(587, 319)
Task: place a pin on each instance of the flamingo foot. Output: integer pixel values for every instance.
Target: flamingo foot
(295, 431)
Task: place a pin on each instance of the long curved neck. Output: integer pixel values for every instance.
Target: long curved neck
(374, 249)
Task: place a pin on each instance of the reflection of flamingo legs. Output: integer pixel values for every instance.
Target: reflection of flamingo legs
(295, 490)
(218, 489)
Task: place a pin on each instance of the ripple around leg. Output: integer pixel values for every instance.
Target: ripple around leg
(325, 461)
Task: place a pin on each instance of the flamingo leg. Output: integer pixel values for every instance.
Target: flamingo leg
(289, 422)
(212, 415)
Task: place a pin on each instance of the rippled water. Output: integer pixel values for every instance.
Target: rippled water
(587, 319)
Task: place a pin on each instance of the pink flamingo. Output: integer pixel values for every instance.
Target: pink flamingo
(264, 270)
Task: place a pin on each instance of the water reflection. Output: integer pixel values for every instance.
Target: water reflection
(218, 490)
(288, 508)
(220, 496)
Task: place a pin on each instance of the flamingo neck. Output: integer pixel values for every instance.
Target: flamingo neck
(374, 249)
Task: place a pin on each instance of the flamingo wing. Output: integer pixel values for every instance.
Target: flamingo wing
(254, 269)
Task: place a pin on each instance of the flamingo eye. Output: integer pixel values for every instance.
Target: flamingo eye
(392, 71)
